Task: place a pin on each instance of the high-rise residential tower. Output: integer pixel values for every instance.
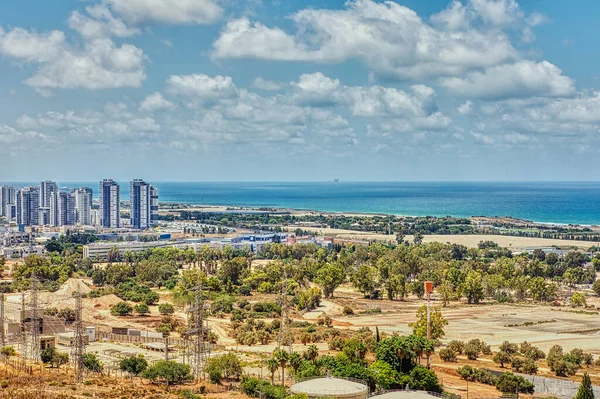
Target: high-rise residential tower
(28, 206)
(7, 196)
(46, 188)
(62, 209)
(143, 198)
(110, 204)
(83, 205)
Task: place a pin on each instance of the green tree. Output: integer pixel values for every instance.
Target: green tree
(384, 375)
(502, 358)
(585, 389)
(9, 351)
(168, 371)
(437, 322)
(509, 383)
(166, 308)
(578, 299)
(141, 309)
(329, 277)
(418, 238)
(272, 366)
(596, 286)
(282, 358)
(228, 365)
(366, 280)
(121, 309)
(473, 287)
(134, 365)
(92, 363)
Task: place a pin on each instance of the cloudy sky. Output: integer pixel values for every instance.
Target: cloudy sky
(199, 90)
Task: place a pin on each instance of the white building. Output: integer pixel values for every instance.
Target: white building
(28, 205)
(110, 204)
(83, 205)
(144, 204)
(22, 251)
(7, 196)
(46, 189)
(62, 209)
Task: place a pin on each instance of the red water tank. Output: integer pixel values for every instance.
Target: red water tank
(428, 287)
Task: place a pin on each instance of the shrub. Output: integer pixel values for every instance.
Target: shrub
(92, 363)
(228, 365)
(530, 367)
(9, 351)
(517, 364)
(141, 309)
(121, 309)
(168, 371)
(502, 358)
(472, 351)
(508, 383)
(133, 364)
(348, 310)
(223, 303)
(457, 346)
(4, 384)
(166, 308)
(509, 348)
(448, 355)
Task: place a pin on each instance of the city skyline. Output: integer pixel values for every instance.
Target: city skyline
(471, 90)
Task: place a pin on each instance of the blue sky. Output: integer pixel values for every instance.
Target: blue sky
(205, 90)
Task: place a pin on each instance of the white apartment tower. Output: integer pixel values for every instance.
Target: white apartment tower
(62, 209)
(46, 188)
(28, 205)
(110, 204)
(83, 205)
(144, 204)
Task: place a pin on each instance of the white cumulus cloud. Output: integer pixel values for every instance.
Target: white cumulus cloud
(168, 11)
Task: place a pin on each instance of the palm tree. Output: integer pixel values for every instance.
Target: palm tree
(311, 353)
(272, 366)
(282, 357)
(295, 361)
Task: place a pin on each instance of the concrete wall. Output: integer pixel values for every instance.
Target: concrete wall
(556, 387)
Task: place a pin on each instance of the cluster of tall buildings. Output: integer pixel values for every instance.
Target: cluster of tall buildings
(46, 205)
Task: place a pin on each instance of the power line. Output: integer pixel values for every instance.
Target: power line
(79, 344)
(34, 351)
(2, 334)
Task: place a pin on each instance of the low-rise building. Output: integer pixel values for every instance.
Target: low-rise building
(22, 251)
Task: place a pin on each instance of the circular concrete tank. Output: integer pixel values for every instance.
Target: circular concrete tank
(405, 395)
(331, 387)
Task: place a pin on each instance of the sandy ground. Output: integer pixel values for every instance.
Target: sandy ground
(470, 241)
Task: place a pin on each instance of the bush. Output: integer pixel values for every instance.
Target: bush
(9, 351)
(92, 363)
(508, 383)
(530, 367)
(423, 379)
(472, 351)
(169, 372)
(214, 375)
(348, 310)
(133, 364)
(228, 365)
(141, 309)
(4, 384)
(121, 309)
(245, 290)
(448, 355)
(223, 303)
(477, 375)
(253, 387)
(457, 346)
(166, 308)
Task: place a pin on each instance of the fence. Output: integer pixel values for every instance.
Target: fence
(18, 364)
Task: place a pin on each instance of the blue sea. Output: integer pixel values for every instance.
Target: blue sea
(551, 202)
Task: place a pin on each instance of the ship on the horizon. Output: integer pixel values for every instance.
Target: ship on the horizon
(336, 180)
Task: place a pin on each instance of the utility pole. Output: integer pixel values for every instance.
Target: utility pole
(428, 290)
(2, 335)
(197, 331)
(79, 344)
(285, 336)
(167, 349)
(22, 335)
(34, 352)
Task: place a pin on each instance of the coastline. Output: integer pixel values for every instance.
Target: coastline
(218, 208)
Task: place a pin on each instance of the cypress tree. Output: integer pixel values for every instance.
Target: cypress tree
(585, 389)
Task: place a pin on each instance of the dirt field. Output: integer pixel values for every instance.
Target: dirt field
(470, 241)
